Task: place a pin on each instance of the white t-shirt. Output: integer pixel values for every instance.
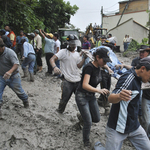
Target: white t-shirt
(57, 44)
(68, 65)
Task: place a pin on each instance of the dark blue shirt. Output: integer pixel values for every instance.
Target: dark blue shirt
(124, 115)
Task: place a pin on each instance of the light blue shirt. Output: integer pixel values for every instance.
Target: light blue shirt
(28, 48)
(49, 45)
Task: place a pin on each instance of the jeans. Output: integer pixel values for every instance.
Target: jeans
(146, 115)
(138, 138)
(30, 60)
(48, 56)
(125, 46)
(58, 63)
(68, 88)
(89, 110)
(15, 84)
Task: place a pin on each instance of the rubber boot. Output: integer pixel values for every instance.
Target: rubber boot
(61, 107)
(31, 77)
(25, 71)
(26, 104)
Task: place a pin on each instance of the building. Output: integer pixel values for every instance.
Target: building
(135, 10)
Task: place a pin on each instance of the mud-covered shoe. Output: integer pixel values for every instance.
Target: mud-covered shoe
(26, 104)
(87, 145)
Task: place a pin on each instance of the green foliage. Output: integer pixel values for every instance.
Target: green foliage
(134, 45)
(31, 14)
(55, 13)
(145, 41)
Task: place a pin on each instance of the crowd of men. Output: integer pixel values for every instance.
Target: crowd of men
(126, 97)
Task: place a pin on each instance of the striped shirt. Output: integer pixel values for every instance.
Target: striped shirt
(124, 115)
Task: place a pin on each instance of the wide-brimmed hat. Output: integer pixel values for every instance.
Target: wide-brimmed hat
(50, 35)
(144, 48)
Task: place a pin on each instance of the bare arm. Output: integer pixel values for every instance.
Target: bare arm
(124, 95)
(108, 69)
(9, 73)
(57, 49)
(53, 60)
(89, 88)
(42, 33)
(81, 63)
(123, 66)
(53, 64)
(15, 67)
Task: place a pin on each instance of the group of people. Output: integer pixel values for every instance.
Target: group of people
(123, 118)
(126, 42)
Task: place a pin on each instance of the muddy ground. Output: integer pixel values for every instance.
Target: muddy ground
(40, 127)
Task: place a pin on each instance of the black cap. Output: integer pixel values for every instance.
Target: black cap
(145, 61)
(104, 54)
(143, 48)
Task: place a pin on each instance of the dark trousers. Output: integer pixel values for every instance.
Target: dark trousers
(68, 88)
(19, 50)
(38, 57)
(48, 56)
(89, 110)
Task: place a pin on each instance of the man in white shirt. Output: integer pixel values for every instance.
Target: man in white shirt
(70, 64)
(56, 48)
(28, 59)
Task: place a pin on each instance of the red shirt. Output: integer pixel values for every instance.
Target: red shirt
(14, 43)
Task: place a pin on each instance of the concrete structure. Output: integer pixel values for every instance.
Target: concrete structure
(130, 27)
(135, 9)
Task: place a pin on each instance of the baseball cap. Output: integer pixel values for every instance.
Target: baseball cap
(31, 34)
(37, 31)
(145, 61)
(50, 34)
(104, 54)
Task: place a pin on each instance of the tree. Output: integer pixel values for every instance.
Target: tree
(19, 15)
(55, 13)
(31, 14)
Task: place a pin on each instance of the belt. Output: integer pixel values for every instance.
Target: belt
(89, 94)
(31, 53)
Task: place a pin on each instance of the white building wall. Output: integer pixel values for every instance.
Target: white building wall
(132, 29)
(111, 21)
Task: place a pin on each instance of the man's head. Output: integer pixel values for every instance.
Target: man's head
(109, 35)
(23, 40)
(143, 69)
(6, 28)
(50, 36)
(55, 36)
(21, 33)
(98, 38)
(144, 51)
(36, 32)
(2, 32)
(103, 39)
(2, 46)
(73, 42)
(85, 38)
(31, 36)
